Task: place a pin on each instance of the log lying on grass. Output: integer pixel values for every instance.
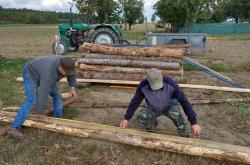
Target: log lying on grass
(169, 143)
(112, 69)
(131, 63)
(131, 51)
(192, 86)
(123, 104)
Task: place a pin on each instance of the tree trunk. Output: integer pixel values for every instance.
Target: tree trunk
(197, 147)
(131, 63)
(112, 69)
(124, 51)
(110, 76)
(130, 25)
(104, 56)
(125, 29)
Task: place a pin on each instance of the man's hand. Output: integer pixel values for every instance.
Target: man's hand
(124, 123)
(72, 92)
(196, 129)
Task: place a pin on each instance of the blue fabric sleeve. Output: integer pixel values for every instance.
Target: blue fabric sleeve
(72, 81)
(136, 101)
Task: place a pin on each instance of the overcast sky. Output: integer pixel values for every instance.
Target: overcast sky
(60, 5)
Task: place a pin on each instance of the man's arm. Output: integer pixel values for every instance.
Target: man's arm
(72, 84)
(135, 102)
(43, 94)
(183, 100)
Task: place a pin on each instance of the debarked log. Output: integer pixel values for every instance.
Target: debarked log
(112, 69)
(127, 82)
(115, 76)
(131, 51)
(131, 63)
(196, 147)
(104, 56)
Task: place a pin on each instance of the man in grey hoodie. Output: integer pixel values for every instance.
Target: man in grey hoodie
(40, 80)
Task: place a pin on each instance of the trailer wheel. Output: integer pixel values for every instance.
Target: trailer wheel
(104, 36)
(62, 48)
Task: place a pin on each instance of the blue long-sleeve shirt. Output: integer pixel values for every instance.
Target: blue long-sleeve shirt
(176, 94)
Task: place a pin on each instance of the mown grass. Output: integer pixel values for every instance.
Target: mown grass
(232, 37)
(10, 92)
(243, 117)
(70, 112)
(221, 67)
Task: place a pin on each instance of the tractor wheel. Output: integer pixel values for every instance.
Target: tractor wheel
(73, 49)
(62, 48)
(104, 36)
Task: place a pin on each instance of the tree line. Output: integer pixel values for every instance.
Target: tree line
(182, 13)
(176, 13)
(28, 16)
(111, 11)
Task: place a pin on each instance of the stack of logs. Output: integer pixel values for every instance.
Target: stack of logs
(127, 63)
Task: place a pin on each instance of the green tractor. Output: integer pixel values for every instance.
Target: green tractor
(72, 35)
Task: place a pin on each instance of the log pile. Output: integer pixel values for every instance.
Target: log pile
(127, 63)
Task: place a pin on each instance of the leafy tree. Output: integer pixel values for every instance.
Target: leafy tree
(234, 8)
(153, 18)
(246, 10)
(101, 11)
(177, 12)
(132, 12)
(210, 11)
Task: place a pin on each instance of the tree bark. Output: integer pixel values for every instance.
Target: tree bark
(131, 63)
(108, 76)
(112, 69)
(124, 51)
(196, 147)
(155, 59)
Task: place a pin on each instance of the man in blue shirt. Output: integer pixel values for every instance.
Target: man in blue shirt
(162, 95)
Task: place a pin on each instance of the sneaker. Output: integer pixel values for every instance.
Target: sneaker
(15, 133)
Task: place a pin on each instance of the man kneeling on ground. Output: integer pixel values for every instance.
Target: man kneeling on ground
(40, 80)
(162, 95)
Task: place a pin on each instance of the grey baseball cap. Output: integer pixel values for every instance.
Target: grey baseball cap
(155, 78)
(68, 65)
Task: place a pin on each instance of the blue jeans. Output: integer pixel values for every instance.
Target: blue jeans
(31, 97)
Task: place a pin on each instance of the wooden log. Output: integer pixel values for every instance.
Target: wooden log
(124, 104)
(117, 76)
(116, 104)
(192, 86)
(131, 63)
(196, 147)
(173, 46)
(112, 69)
(108, 75)
(140, 58)
(124, 51)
